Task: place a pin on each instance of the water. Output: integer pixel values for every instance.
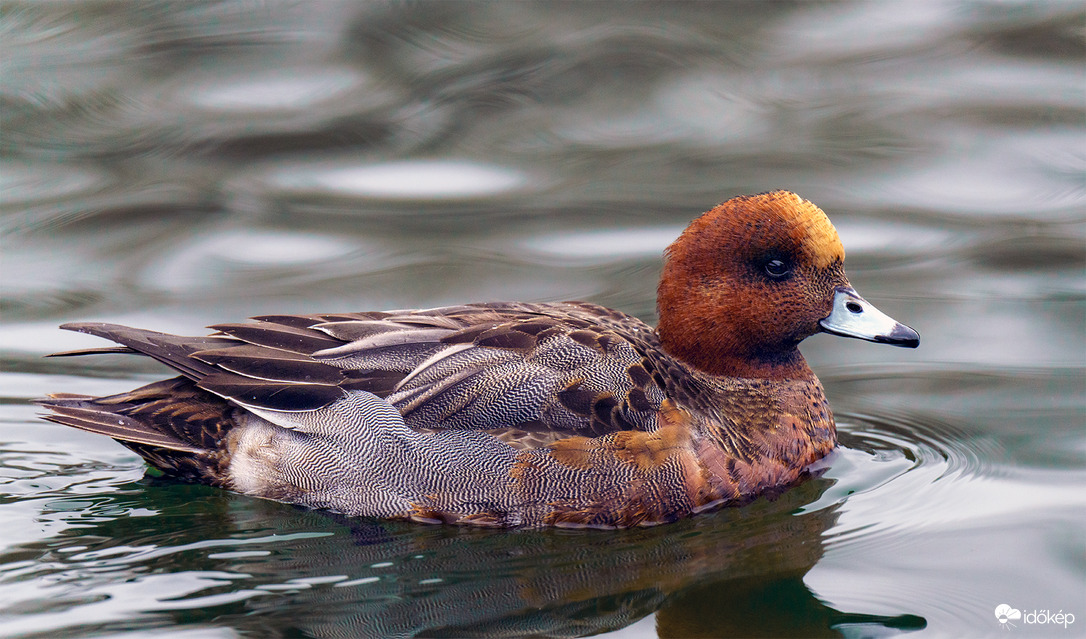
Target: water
(176, 165)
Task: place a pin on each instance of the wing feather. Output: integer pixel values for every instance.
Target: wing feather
(271, 364)
(532, 373)
(279, 336)
(273, 395)
(172, 350)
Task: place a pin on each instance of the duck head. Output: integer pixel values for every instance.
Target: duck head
(747, 281)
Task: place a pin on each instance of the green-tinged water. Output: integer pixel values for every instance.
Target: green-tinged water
(175, 165)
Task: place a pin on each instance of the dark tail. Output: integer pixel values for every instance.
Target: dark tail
(172, 424)
(91, 414)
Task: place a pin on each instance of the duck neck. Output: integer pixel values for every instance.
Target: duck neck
(718, 353)
(782, 366)
(789, 365)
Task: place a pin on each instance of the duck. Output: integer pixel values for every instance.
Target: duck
(518, 414)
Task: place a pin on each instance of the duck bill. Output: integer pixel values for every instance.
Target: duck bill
(853, 316)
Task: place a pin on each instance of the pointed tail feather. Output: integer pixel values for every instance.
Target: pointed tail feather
(84, 413)
(172, 350)
(104, 350)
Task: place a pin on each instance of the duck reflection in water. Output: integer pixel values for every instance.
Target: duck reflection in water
(736, 572)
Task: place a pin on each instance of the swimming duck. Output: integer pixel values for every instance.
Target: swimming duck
(518, 414)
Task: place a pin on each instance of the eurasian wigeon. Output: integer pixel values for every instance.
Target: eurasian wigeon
(518, 414)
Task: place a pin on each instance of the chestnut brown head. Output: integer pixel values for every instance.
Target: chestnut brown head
(750, 279)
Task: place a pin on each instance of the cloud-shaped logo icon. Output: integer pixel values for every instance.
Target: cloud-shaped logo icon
(1005, 614)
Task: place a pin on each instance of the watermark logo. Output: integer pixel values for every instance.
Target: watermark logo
(1006, 616)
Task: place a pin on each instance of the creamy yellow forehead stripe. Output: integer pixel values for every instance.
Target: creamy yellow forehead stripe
(823, 245)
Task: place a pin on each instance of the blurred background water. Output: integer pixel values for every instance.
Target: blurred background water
(172, 165)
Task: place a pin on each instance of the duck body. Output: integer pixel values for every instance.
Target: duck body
(516, 414)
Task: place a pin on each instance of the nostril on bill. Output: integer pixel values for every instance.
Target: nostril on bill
(854, 307)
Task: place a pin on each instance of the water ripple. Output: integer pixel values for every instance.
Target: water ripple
(279, 90)
(896, 460)
(409, 180)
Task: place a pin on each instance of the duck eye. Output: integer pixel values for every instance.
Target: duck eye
(777, 269)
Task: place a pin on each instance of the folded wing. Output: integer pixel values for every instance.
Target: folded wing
(528, 373)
